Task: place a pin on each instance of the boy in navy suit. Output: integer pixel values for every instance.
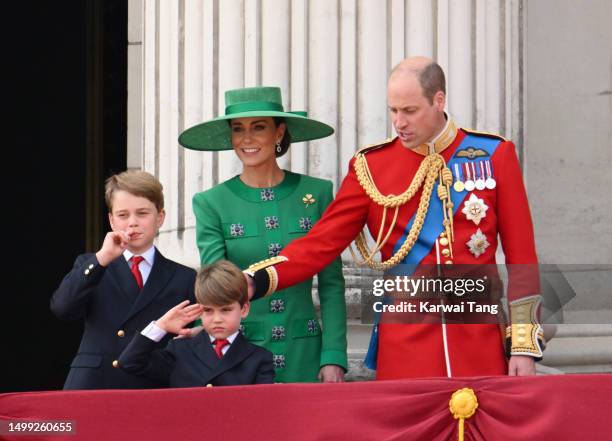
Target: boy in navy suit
(123, 286)
(221, 356)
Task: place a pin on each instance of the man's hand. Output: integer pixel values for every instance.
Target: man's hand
(251, 285)
(331, 373)
(113, 246)
(520, 365)
(175, 320)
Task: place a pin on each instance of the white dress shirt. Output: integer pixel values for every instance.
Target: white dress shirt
(144, 266)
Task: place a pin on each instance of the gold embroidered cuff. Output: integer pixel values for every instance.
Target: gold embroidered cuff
(273, 278)
(251, 270)
(264, 276)
(525, 335)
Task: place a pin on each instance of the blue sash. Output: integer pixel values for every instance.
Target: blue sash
(432, 227)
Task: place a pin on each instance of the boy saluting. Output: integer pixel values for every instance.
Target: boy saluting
(123, 286)
(221, 356)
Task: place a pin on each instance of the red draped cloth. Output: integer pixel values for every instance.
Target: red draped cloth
(558, 407)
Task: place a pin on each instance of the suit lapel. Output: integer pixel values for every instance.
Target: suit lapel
(160, 275)
(203, 350)
(123, 277)
(238, 351)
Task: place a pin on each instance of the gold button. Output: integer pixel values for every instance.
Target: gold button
(446, 252)
(209, 385)
(522, 332)
(449, 262)
(444, 241)
(115, 363)
(443, 235)
(121, 333)
(521, 339)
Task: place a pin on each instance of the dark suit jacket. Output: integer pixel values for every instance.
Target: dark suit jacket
(192, 362)
(114, 310)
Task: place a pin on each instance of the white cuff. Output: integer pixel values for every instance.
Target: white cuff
(153, 332)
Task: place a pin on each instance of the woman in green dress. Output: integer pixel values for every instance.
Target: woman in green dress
(253, 215)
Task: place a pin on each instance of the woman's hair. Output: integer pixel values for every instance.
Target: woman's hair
(286, 141)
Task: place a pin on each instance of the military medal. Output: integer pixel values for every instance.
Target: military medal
(469, 183)
(490, 183)
(458, 186)
(475, 209)
(480, 182)
(478, 243)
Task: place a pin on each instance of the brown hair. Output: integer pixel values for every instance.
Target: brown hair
(220, 284)
(431, 77)
(138, 183)
(432, 81)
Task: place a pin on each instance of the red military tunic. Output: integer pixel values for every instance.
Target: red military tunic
(419, 350)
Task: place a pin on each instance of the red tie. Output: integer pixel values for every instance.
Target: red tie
(135, 270)
(219, 345)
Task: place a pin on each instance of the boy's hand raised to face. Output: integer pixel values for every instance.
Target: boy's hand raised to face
(113, 246)
(177, 318)
(190, 332)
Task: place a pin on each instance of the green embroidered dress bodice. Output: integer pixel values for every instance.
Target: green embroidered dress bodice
(245, 225)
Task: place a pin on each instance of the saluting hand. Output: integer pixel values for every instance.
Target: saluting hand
(190, 332)
(177, 318)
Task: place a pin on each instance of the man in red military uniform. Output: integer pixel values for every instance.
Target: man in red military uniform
(436, 194)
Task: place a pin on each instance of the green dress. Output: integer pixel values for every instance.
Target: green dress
(245, 225)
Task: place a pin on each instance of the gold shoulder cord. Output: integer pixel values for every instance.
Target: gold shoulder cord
(432, 167)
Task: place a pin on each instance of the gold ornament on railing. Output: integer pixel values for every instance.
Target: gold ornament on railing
(463, 405)
(432, 167)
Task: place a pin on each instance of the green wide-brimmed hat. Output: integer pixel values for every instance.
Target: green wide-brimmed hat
(246, 103)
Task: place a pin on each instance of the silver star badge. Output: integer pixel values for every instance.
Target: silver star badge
(475, 209)
(478, 243)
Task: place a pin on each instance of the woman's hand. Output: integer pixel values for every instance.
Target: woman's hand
(331, 373)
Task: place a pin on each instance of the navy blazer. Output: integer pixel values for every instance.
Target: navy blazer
(191, 362)
(114, 310)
